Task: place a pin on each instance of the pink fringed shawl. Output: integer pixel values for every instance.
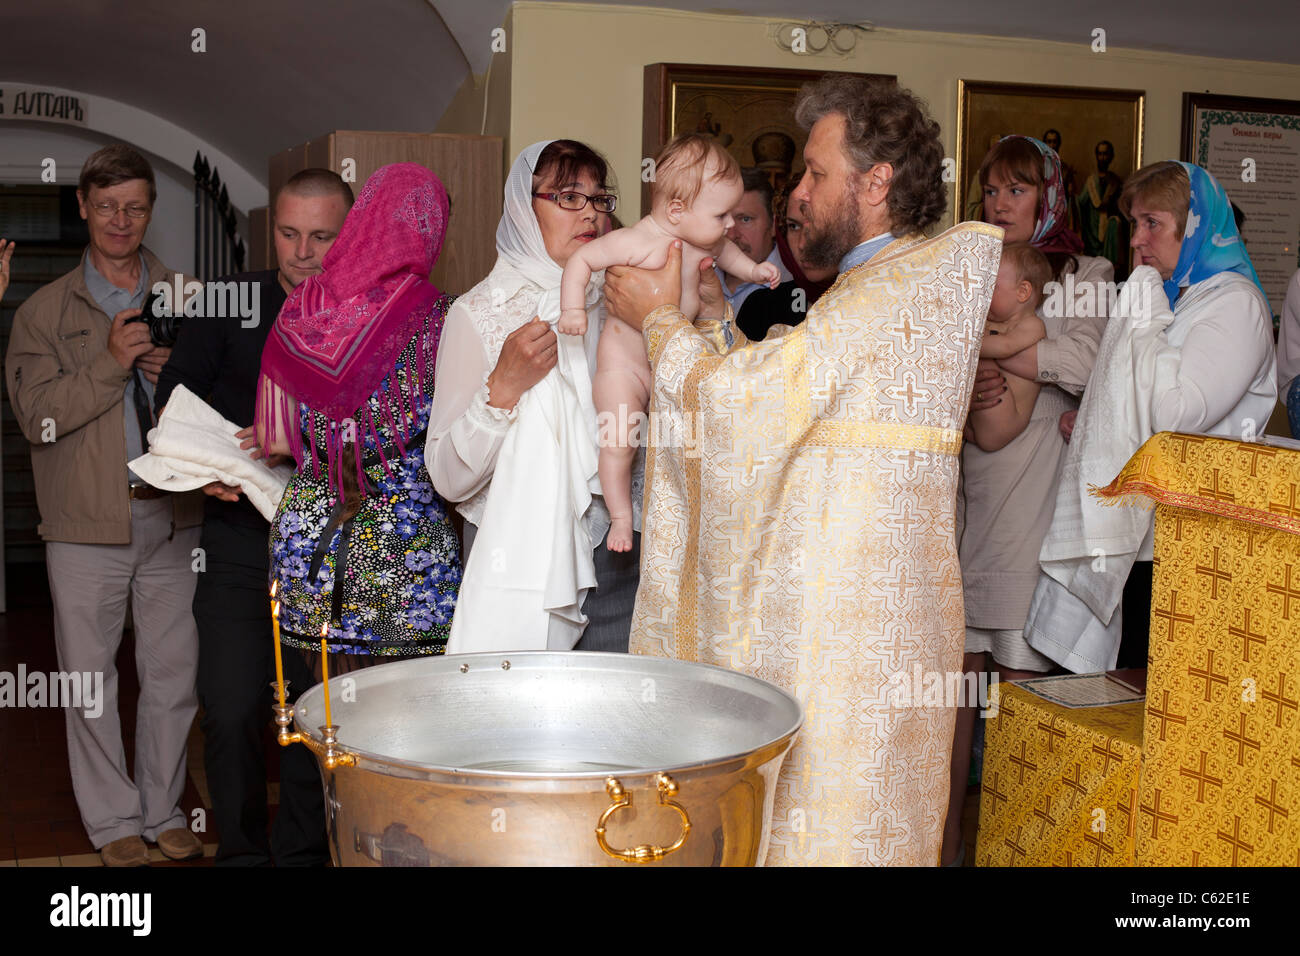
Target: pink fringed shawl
(338, 337)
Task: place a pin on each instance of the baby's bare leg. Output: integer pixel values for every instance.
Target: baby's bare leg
(621, 394)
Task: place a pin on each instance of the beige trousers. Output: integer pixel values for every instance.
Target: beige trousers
(90, 584)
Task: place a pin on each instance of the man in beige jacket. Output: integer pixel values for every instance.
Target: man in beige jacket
(80, 379)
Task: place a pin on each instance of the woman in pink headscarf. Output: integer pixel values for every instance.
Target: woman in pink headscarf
(1008, 490)
(361, 547)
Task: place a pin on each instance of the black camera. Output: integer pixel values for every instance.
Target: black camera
(164, 327)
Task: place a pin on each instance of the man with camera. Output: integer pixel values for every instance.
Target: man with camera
(80, 374)
(218, 358)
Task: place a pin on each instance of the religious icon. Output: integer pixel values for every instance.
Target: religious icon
(749, 110)
(1103, 227)
(1089, 128)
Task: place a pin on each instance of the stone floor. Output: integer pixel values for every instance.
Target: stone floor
(39, 821)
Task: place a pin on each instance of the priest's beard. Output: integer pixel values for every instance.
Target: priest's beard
(828, 243)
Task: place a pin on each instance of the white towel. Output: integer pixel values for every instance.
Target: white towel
(531, 565)
(1090, 548)
(193, 445)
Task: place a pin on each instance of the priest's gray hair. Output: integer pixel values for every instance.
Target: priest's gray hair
(884, 123)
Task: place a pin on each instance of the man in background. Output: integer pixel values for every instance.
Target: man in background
(81, 377)
(754, 233)
(218, 359)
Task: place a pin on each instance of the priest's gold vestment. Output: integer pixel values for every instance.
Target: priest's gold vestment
(800, 527)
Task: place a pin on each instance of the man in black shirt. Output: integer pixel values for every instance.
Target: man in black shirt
(218, 359)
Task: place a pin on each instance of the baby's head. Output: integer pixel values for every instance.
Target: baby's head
(1021, 277)
(697, 184)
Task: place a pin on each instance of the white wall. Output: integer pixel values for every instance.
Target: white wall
(577, 70)
(159, 137)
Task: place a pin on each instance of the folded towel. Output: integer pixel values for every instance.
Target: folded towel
(193, 446)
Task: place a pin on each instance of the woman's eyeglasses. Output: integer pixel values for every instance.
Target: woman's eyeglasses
(575, 201)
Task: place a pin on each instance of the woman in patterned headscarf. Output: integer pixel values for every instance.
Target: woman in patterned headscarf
(361, 546)
(1008, 490)
(1024, 193)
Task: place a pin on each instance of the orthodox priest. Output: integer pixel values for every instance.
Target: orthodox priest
(800, 491)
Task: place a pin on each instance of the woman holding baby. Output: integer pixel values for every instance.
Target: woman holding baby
(1018, 425)
(495, 349)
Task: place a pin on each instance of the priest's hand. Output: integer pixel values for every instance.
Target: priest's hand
(632, 294)
(989, 386)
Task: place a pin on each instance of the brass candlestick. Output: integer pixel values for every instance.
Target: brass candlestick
(333, 756)
(284, 716)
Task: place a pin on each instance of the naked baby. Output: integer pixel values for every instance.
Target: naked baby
(697, 184)
(1012, 325)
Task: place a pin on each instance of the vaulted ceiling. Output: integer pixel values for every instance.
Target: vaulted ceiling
(279, 72)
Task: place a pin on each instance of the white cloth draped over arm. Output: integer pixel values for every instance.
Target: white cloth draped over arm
(1205, 365)
(465, 433)
(1074, 616)
(193, 446)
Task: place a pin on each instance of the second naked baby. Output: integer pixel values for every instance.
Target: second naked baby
(697, 184)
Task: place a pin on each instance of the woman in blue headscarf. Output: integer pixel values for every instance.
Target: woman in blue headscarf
(1188, 349)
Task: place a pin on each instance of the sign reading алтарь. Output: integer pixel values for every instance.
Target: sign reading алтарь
(28, 102)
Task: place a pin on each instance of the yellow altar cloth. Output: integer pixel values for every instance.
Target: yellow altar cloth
(1220, 780)
(1059, 783)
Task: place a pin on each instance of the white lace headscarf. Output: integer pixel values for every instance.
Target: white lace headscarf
(519, 237)
(522, 256)
(522, 283)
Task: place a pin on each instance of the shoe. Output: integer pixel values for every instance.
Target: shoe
(128, 851)
(179, 844)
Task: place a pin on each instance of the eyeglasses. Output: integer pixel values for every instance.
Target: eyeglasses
(575, 201)
(109, 209)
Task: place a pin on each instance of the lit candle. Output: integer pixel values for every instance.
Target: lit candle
(325, 671)
(275, 627)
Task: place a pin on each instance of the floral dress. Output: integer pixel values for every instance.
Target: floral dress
(386, 579)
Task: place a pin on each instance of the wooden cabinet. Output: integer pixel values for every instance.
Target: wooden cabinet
(469, 166)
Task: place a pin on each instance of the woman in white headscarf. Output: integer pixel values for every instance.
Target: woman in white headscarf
(495, 351)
